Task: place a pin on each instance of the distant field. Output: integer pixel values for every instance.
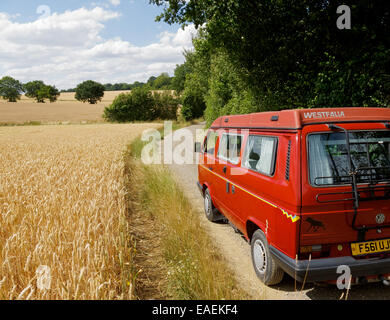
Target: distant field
(109, 96)
(66, 109)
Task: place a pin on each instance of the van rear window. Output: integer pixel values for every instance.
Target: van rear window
(328, 157)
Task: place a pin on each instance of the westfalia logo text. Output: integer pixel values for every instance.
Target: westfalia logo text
(324, 114)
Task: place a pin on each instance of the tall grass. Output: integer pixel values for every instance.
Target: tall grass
(136, 146)
(195, 269)
(63, 211)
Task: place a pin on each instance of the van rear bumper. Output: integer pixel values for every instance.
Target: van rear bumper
(325, 269)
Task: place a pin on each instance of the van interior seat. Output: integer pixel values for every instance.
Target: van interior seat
(253, 159)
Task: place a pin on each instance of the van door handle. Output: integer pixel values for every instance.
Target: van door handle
(211, 168)
(224, 169)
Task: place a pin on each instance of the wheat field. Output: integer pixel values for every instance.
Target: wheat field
(66, 110)
(63, 226)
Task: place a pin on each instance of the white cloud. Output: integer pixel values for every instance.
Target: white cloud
(76, 28)
(115, 2)
(65, 49)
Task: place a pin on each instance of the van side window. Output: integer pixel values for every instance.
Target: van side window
(260, 154)
(230, 147)
(210, 142)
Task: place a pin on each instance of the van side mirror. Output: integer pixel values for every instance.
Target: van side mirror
(198, 147)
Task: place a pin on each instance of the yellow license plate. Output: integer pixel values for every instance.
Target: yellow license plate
(368, 247)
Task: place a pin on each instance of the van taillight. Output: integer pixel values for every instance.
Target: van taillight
(315, 251)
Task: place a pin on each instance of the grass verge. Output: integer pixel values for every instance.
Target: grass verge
(135, 148)
(175, 258)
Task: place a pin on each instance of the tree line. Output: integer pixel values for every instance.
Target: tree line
(12, 90)
(252, 56)
(161, 82)
(87, 91)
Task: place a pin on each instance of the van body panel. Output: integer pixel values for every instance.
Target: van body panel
(244, 195)
(326, 222)
(293, 209)
(260, 195)
(227, 199)
(299, 118)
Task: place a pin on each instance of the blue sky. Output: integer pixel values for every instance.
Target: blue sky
(136, 23)
(66, 42)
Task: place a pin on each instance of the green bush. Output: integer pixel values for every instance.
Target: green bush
(193, 104)
(357, 84)
(141, 105)
(134, 106)
(165, 106)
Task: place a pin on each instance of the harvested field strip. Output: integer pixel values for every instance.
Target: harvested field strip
(64, 231)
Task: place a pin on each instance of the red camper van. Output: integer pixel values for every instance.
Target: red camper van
(309, 189)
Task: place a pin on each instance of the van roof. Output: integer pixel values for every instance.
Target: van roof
(297, 118)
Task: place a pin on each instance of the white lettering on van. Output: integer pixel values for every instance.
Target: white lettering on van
(323, 114)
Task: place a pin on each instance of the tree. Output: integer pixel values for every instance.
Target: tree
(10, 89)
(165, 106)
(53, 93)
(150, 81)
(280, 49)
(162, 82)
(89, 91)
(196, 82)
(39, 91)
(179, 79)
(32, 89)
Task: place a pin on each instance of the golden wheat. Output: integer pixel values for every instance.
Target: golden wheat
(63, 228)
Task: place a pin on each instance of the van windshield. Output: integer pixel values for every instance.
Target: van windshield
(328, 157)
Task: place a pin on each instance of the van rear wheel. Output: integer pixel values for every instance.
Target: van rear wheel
(211, 212)
(265, 266)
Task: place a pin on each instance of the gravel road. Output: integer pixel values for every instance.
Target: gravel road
(236, 250)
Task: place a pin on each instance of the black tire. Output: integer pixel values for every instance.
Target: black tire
(265, 266)
(211, 212)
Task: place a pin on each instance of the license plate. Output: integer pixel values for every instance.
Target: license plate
(368, 247)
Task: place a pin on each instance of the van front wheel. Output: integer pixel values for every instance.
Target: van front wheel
(265, 267)
(209, 209)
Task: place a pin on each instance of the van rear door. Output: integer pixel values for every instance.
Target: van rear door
(345, 186)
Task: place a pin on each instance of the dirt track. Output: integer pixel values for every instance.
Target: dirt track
(237, 253)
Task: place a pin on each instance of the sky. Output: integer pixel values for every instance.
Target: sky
(66, 42)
